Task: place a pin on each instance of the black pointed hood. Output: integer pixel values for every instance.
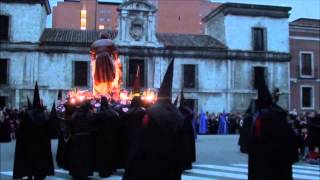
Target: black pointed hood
(264, 95)
(36, 97)
(175, 103)
(165, 91)
(136, 82)
(53, 113)
(182, 99)
(29, 103)
(104, 102)
(59, 94)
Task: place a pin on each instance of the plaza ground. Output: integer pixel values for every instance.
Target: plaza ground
(218, 157)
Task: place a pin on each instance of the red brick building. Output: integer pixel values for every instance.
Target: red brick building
(305, 64)
(173, 16)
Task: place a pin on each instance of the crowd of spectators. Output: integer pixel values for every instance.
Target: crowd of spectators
(211, 123)
(306, 126)
(307, 129)
(9, 123)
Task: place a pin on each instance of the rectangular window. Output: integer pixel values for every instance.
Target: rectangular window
(80, 73)
(258, 39)
(133, 64)
(4, 27)
(189, 76)
(2, 101)
(306, 64)
(307, 97)
(83, 19)
(3, 71)
(258, 72)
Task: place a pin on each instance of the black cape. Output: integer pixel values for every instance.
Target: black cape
(189, 148)
(134, 119)
(80, 163)
(105, 141)
(160, 155)
(272, 145)
(33, 155)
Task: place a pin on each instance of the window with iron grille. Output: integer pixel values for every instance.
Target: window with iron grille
(133, 64)
(4, 27)
(306, 64)
(80, 73)
(3, 71)
(259, 39)
(189, 76)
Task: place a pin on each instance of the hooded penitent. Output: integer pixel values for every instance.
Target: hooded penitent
(264, 96)
(59, 95)
(136, 82)
(165, 93)
(36, 98)
(54, 121)
(175, 103)
(104, 102)
(203, 124)
(29, 103)
(161, 136)
(33, 156)
(272, 148)
(189, 137)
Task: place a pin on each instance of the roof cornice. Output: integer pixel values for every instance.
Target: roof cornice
(42, 2)
(253, 10)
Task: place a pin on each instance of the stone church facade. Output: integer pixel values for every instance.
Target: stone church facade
(215, 70)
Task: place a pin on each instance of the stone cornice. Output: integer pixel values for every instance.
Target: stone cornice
(253, 10)
(204, 53)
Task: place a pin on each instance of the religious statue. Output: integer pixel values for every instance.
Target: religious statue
(106, 68)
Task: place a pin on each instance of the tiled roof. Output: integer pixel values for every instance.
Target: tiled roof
(86, 37)
(306, 22)
(189, 40)
(73, 37)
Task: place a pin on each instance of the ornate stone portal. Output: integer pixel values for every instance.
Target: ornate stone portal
(137, 24)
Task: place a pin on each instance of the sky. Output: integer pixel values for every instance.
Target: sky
(300, 8)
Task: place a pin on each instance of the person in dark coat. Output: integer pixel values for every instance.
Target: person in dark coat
(133, 119)
(81, 147)
(272, 144)
(54, 122)
(33, 157)
(105, 124)
(313, 138)
(160, 157)
(64, 141)
(4, 128)
(245, 127)
(189, 139)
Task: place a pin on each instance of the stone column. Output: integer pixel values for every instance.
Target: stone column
(17, 98)
(123, 25)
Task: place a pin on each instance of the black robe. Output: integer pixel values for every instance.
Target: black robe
(105, 140)
(160, 156)
(80, 163)
(272, 146)
(4, 131)
(245, 133)
(134, 119)
(33, 155)
(189, 148)
(313, 138)
(64, 141)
